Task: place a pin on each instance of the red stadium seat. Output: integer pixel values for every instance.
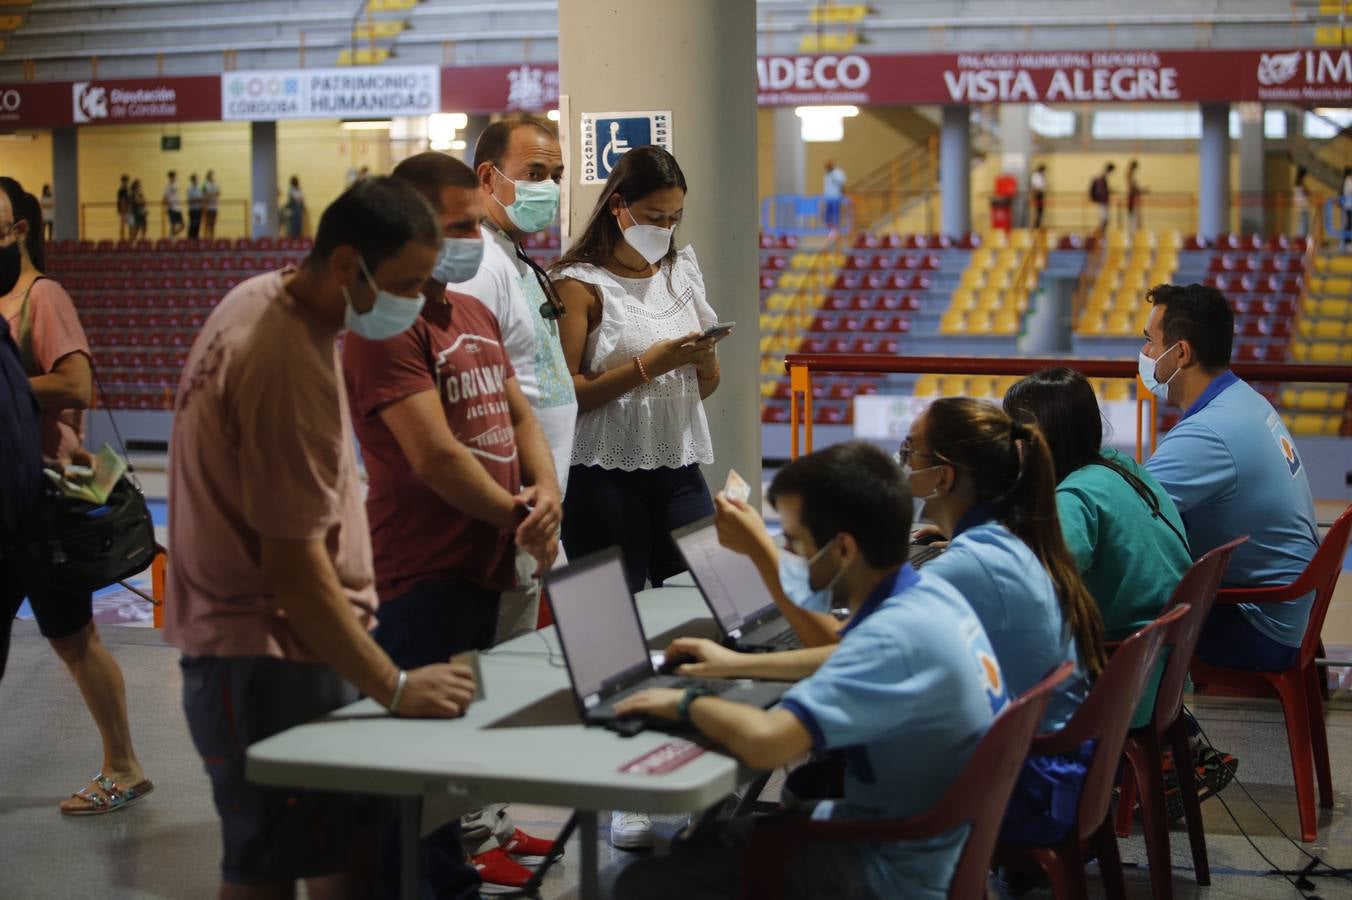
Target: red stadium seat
(1275, 352)
(891, 241)
(1248, 353)
(1254, 328)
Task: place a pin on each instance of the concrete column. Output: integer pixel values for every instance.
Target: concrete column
(955, 171)
(713, 105)
(65, 183)
(263, 181)
(1016, 154)
(790, 153)
(470, 135)
(1213, 200)
(1254, 213)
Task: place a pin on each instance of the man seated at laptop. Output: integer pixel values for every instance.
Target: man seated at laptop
(907, 694)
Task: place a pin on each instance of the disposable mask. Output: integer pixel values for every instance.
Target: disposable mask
(11, 264)
(458, 260)
(650, 241)
(391, 315)
(1145, 367)
(535, 206)
(907, 472)
(796, 581)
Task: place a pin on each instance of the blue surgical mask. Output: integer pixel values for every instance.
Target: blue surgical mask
(796, 581)
(535, 206)
(458, 260)
(1145, 367)
(391, 315)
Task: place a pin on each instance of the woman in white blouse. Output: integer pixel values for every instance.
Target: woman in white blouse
(634, 310)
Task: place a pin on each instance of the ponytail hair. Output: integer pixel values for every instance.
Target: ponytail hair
(1009, 466)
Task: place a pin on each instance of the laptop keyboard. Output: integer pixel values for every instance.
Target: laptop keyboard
(922, 554)
(784, 639)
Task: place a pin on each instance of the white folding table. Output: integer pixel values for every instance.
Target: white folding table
(523, 743)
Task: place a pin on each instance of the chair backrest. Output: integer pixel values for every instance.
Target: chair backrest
(1105, 715)
(1197, 590)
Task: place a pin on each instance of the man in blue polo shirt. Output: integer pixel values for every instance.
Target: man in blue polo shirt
(905, 696)
(1232, 469)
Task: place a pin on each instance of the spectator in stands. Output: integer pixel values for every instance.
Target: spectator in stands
(1101, 195)
(48, 211)
(20, 478)
(1231, 468)
(140, 211)
(1134, 192)
(1120, 526)
(173, 205)
(295, 209)
(194, 207)
(1300, 202)
(125, 220)
(907, 695)
(56, 355)
(459, 479)
(833, 189)
(1037, 190)
(211, 202)
(520, 165)
(271, 592)
(1346, 203)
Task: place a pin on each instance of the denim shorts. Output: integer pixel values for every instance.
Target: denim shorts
(269, 834)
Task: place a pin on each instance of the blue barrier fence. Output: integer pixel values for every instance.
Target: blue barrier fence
(806, 214)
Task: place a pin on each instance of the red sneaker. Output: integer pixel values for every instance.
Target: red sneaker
(499, 872)
(528, 850)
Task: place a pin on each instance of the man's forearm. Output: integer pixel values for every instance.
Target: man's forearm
(748, 732)
(457, 478)
(537, 459)
(786, 665)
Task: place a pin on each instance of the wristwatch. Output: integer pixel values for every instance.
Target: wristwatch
(691, 695)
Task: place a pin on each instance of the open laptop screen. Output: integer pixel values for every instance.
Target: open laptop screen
(597, 623)
(730, 581)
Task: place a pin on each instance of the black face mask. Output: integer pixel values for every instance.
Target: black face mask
(11, 263)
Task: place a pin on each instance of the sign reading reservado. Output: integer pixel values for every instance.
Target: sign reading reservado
(376, 92)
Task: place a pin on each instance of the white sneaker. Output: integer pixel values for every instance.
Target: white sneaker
(631, 831)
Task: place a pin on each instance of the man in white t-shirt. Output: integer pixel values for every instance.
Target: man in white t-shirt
(519, 165)
(833, 189)
(173, 205)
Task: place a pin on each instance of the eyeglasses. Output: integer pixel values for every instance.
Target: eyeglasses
(908, 450)
(553, 307)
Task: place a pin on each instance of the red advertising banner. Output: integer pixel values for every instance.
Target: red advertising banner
(1310, 77)
(116, 102)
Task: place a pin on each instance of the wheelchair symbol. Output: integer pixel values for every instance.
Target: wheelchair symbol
(616, 148)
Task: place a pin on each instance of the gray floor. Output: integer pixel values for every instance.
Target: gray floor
(167, 846)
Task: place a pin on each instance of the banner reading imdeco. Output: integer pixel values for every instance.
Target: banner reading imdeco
(375, 92)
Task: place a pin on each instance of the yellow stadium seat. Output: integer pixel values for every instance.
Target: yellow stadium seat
(1307, 423)
(953, 386)
(1331, 36)
(1335, 309)
(1091, 323)
(982, 257)
(792, 281)
(1327, 329)
(1333, 425)
(995, 239)
(1337, 286)
(953, 322)
(927, 385)
(1021, 238)
(972, 278)
(1325, 353)
(1116, 389)
(1340, 265)
(981, 386)
(1290, 398)
(1003, 383)
(1117, 238)
(1300, 352)
(1171, 237)
(801, 261)
(990, 300)
(1143, 238)
(1119, 325)
(1000, 278)
(1006, 323)
(979, 322)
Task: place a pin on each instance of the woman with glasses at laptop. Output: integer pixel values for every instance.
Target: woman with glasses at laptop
(635, 311)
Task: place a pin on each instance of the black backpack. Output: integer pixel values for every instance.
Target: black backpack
(20, 443)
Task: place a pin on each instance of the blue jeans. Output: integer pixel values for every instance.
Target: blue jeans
(429, 624)
(635, 511)
(1230, 641)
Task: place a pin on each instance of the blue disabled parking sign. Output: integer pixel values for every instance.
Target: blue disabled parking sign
(606, 137)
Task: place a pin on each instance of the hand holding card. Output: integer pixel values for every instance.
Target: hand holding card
(736, 488)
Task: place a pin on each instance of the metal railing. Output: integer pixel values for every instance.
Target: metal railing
(100, 220)
(806, 214)
(802, 366)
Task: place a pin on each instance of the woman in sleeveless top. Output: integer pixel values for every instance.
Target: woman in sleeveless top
(42, 319)
(635, 308)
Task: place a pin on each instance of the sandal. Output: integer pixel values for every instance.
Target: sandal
(103, 795)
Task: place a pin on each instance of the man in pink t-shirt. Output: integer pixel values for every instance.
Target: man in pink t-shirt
(460, 475)
(270, 592)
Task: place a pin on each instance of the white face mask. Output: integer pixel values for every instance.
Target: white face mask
(390, 315)
(1146, 368)
(649, 241)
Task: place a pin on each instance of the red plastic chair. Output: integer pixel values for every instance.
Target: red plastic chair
(1145, 746)
(1103, 717)
(1298, 688)
(978, 795)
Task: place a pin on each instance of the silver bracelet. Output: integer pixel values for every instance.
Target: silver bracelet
(398, 691)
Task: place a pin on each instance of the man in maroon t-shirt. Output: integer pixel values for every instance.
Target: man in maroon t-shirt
(460, 475)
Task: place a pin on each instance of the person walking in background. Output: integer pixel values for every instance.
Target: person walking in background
(1346, 201)
(173, 205)
(1037, 192)
(1300, 202)
(48, 211)
(194, 207)
(295, 208)
(1101, 195)
(211, 199)
(140, 211)
(56, 355)
(833, 189)
(1134, 192)
(125, 221)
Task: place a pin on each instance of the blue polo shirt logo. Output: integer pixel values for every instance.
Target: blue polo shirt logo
(1284, 444)
(991, 679)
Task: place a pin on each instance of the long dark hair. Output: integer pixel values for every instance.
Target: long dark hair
(1010, 468)
(27, 208)
(640, 172)
(1062, 403)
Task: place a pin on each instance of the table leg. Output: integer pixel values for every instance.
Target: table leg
(410, 870)
(589, 887)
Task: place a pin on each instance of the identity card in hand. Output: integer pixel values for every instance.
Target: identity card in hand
(736, 487)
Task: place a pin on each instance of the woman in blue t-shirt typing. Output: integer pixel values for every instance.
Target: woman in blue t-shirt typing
(988, 485)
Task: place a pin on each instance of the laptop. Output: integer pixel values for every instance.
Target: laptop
(605, 648)
(737, 596)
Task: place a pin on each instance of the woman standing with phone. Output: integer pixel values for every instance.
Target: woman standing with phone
(633, 333)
